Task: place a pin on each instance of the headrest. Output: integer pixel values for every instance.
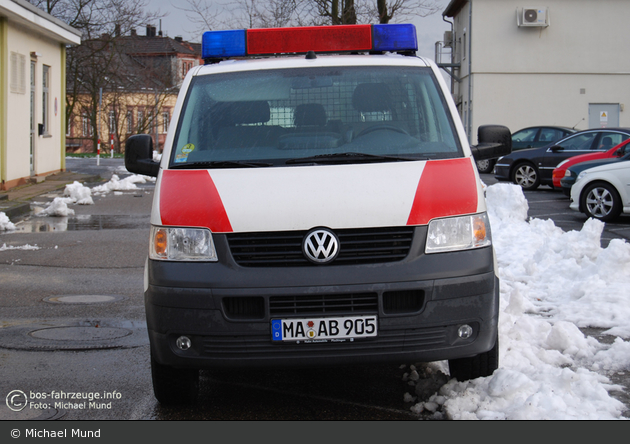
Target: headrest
(235, 113)
(371, 97)
(312, 114)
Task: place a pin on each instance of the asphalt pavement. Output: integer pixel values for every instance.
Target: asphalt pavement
(73, 321)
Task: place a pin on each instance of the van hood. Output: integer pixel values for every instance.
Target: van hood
(304, 197)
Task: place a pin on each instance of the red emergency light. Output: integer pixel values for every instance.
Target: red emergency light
(310, 38)
(299, 40)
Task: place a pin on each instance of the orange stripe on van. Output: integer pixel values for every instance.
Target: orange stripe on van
(190, 199)
(446, 188)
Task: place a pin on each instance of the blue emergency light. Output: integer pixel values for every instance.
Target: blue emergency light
(300, 40)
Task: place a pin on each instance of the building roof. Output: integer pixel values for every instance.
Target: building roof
(454, 7)
(32, 17)
(157, 45)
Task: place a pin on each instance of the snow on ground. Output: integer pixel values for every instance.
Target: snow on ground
(77, 193)
(126, 184)
(5, 222)
(552, 282)
(4, 247)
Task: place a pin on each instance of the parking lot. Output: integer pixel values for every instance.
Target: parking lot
(548, 203)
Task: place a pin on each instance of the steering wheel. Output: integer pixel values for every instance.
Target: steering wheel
(381, 126)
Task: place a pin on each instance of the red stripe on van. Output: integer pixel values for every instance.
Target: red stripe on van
(446, 188)
(190, 199)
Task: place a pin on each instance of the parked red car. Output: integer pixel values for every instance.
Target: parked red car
(561, 169)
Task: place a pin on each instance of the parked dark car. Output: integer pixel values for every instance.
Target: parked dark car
(574, 170)
(530, 137)
(533, 167)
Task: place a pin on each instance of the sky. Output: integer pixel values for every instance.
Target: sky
(552, 284)
(429, 29)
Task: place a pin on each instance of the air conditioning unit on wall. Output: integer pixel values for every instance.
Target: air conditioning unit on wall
(537, 17)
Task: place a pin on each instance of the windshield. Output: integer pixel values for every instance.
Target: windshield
(313, 115)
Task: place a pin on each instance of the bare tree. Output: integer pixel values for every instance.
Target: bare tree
(280, 13)
(403, 9)
(94, 66)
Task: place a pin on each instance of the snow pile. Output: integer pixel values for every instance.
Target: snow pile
(57, 208)
(5, 222)
(79, 193)
(552, 282)
(21, 247)
(126, 184)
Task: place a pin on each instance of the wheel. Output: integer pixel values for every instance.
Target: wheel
(382, 126)
(485, 166)
(173, 386)
(478, 366)
(526, 175)
(601, 201)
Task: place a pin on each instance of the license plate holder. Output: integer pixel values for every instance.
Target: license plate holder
(327, 329)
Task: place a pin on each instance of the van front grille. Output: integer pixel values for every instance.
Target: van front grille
(356, 246)
(347, 303)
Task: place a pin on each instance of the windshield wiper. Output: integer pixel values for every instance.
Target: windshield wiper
(222, 164)
(350, 157)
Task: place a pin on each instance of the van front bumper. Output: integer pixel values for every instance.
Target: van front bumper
(196, 300)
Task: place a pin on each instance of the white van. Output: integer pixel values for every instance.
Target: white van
(317, 203)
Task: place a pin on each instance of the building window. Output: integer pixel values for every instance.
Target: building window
(165, 122)
(140, 121)
(18, 73)
(86, 127)
(46, 99)
(112, 122)
(129, 122)
(151, 123)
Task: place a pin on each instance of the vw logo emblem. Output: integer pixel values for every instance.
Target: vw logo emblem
(320, 246)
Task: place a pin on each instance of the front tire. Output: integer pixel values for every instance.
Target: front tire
(526, 175)
(485, 166)
(601, 201)
(174, 386)
(479, 366)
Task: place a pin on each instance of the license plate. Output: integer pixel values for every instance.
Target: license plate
(310, 330)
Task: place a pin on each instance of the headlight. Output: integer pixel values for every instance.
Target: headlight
(182, 244)
(567, 173)
(458, 233)
(582, 175)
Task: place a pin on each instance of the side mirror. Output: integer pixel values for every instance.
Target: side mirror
(139, 155)
(494, 141)
(556, 148)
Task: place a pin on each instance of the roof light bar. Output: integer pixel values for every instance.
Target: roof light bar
(341, 38)
(395, 37)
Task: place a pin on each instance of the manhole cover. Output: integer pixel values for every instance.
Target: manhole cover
(80, 333)
(75, 335)
(83, 299)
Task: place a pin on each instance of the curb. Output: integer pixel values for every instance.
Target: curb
(16, 210)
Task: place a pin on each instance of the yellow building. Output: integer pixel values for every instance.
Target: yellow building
(32, 92)
(138, 94)
(120, 116)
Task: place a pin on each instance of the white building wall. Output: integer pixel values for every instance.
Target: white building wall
(31, 34)
(46, 148)
(534, 76)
